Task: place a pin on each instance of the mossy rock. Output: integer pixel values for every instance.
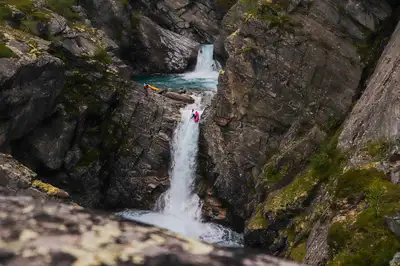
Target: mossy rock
(356, 181)
(6, 52)
(299, 252)
(49, 189)
(257, 221)
(364, 239)
(63, 7)
(294, 194)
(101, 55)
(377, 149)
(5, 13)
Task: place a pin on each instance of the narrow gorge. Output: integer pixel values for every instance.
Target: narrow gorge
(294, 161)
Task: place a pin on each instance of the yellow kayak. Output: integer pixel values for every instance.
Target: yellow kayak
(153, 88)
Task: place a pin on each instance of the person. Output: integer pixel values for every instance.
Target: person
(145, 87)
(195, 116)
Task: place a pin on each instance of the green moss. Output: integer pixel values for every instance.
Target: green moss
(328, 162)
(294, 193)
(247, 49)
(299, 252)
(63, 7)
(378, 148)
(338, 235)
(273, 174)
(135, 20)
(47, 188)
(356, 181)
(124, 2)
(25, 6)
(324, 166)
(257, 221)
(365, 239)
(102, 56)
(5, 13)
(5, 52)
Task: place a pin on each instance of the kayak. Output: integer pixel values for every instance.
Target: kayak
(153, 88)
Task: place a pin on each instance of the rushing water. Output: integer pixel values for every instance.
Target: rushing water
(204, 76)
(179, 208)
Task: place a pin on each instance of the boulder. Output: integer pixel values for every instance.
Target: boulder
(35, 232)
(179, 97)
(197, 20)
(158, 50)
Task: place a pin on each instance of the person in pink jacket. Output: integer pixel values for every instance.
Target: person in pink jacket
(195, 116)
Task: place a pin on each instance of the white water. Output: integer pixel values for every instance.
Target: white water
(179, 209)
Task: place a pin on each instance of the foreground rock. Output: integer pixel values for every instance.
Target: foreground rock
(179, 97)
(36, 232)
(18, 178)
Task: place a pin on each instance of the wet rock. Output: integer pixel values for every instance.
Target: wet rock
(64, 234)
(179, 97)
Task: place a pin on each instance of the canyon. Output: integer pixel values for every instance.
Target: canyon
(297, 142)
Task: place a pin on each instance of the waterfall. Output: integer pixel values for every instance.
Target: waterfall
(179, 208)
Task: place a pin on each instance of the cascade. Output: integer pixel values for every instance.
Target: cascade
(179, 208)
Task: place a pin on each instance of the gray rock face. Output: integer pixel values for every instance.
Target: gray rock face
(13, 175)
(29, 88)
(149, 47)
(51, 233)
(279, 81)
(49, 142)
(198, 20)
(162, 51)
(139, 172)
(375, 116)
(317, 246)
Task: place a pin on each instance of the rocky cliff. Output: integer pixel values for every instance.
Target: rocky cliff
(269, 140)
(69, 112)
